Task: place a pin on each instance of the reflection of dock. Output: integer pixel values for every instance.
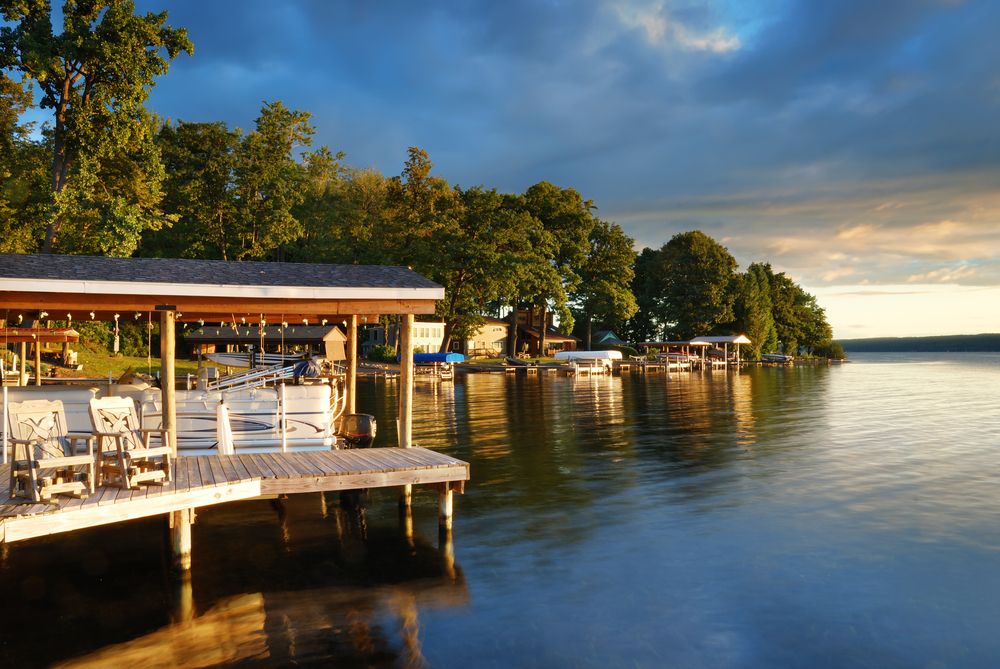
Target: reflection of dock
(327, 599)
(206, 480)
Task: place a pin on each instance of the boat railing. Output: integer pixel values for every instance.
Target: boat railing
(250, 379)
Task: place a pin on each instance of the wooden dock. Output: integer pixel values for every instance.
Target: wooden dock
(206, 480)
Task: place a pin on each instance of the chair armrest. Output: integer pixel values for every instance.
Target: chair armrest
(110, 434)
(53, 463)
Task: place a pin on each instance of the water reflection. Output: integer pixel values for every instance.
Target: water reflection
(312, 580)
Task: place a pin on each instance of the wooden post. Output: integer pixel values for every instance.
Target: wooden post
(22, 378)
(38, 363)
(167, 373)
(406, 396)
(180, 538)
(351, 350)
(445, 505)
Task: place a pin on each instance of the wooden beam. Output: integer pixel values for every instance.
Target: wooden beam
(207, 307)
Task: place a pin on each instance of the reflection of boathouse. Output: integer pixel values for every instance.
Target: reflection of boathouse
(305, 581)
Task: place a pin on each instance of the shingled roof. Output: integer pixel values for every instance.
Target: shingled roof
(33, 267)
(208, 289)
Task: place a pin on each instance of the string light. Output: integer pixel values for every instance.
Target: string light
(91, 315)
(43, 315)
(137, 314)
(323, 322)
(201, 322)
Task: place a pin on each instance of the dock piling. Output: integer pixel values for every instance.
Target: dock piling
(180, 538)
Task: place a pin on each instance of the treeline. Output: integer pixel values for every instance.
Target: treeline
(691, 286)
(980, 343)
(108, 177)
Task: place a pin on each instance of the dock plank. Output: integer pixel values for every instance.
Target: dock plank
(193, 472)
(218, 472)
(280, 472)
(181, 475)
(322, 460)
(250, 463)
(241, 471)
(207, 477)
(304, 464)
(258, 461)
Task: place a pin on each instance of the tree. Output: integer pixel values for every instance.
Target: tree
(96, 76)
(695, 273)
(752, 310)
(269, 183)
(606, 275)
(234, 196)
(200, 162)
(647, 322)
(566, 223)
(24, 168)
(479, 257)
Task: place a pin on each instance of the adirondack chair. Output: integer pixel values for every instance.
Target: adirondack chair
(46, 459)
(124, 456)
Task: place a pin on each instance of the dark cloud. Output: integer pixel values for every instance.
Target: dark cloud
(776, 126)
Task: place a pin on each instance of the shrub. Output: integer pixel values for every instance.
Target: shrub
(831, 350)
(382, 354)
(626, 351)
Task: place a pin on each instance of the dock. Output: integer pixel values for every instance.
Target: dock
(198, 481)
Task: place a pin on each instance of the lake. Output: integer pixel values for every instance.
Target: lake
(807, 516)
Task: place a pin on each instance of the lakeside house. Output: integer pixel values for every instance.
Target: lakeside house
(529, 332)
(427, 335)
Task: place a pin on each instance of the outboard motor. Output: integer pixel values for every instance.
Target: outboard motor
(357, 430)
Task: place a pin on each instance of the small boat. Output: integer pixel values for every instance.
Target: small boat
(777, 358)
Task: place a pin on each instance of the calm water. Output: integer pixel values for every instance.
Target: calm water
(844, 516)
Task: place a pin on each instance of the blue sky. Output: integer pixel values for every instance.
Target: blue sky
(852, 144)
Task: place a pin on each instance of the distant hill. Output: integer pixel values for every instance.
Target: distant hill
(954, 343)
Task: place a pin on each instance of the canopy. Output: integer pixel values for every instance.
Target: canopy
(427, 358)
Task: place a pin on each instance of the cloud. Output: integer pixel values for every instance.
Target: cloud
(845, 142)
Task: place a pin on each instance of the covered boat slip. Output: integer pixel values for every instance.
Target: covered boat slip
(206, 480)
(78, 288)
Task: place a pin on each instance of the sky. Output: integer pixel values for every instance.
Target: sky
(854, 145)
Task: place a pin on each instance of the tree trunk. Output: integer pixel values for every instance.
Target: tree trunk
(587, 322)
(512, 329)
(541, 336)
(446, 340)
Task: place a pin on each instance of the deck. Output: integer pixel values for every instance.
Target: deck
(205, 480)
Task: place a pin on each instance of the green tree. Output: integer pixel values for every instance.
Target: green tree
(24, 167)
(647, 323)
(479, 257)
(200, 162)
(694, 276)
(566, 223)
(752, 310)
(95, 75)
(269, 183)
(606, 275)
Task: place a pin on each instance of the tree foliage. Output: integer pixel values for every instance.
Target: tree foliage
(95, 74)
(606, 276)
(694, 274)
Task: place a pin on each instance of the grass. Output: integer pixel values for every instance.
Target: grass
(98, 365)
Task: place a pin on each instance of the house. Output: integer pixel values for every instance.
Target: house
(427, 335)
(490, 341)
(529, 332)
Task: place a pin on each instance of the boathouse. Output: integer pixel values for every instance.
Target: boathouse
(78, 288)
